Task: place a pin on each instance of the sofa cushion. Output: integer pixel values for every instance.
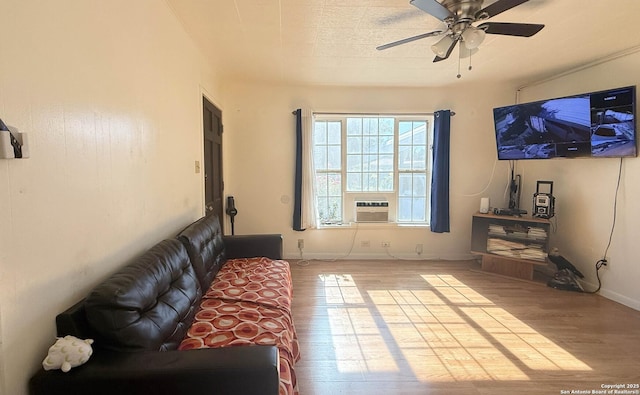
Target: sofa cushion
(147, 305)
(203, 241)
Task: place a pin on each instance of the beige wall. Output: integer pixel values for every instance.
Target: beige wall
(260, 136)
(110, 94)
(585, 190)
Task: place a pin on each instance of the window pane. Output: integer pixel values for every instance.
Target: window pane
(420, 133)
(333, 133)
(354, 163)
(419, 158)
(404, 127)
(405, 185)
(370, 126)
(386, 144)
(386, 126)
(321, 185)
(370, 162)
(420, 185)
(354, 145)
(320, 158)
(385, 162)
(320, 133)
(335, 209)
(354, 126)
(419, 207)
(370, 145)
(335, 184)
(323, 209)
(404, 209)
(354, 182)
(404, 157)
(386, 182)
(334, 159)
(405, 137)
(372, 181)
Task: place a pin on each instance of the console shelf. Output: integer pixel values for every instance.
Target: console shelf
(510, 245)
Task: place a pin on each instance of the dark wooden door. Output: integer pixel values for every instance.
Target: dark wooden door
(213, 183)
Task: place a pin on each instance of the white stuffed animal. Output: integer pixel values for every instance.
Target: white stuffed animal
(68, 352)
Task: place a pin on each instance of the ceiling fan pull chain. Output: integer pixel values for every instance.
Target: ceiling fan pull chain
(470, 54)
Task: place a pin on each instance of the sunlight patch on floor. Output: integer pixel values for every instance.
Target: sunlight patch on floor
(524, 342)
(341, 289)
(356, 337)
(485, 324)
(449, 332)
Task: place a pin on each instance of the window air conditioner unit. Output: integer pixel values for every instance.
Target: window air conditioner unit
(372, 211)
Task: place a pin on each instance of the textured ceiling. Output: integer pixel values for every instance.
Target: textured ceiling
(332, 42)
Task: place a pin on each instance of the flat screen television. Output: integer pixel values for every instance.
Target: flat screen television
(596, 124)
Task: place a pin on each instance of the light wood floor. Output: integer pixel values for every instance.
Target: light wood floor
(406, 327)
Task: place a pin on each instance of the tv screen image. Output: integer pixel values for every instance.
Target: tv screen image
(598, 124)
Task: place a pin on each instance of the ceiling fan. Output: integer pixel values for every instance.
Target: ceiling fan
(459, 16)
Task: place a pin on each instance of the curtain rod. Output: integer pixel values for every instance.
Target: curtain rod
(373, 113)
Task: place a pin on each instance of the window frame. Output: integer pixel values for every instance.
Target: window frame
(349, 197)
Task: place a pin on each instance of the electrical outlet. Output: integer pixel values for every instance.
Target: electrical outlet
(385, 244)
(300, 244)
(419, 249)
(365, 243)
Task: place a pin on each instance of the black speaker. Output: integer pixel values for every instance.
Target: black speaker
(543, 202)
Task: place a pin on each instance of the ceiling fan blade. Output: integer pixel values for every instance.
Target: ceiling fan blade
(511, 29)
(499, 7)
(432, 7)
(400, 17)
(438, 58)
(409, 39)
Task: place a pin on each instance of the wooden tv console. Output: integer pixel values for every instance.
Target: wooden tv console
(510, 245)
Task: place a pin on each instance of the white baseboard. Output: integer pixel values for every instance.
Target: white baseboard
(616, 297)
(380, 256)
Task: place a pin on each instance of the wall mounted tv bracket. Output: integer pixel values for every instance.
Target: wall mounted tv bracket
(13, 143)
(544, 202)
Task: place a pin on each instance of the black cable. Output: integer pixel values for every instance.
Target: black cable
(603, 261)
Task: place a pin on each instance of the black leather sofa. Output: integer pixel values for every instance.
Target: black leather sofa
(139, 315)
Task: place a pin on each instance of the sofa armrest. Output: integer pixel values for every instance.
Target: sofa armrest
(239, 370)
(249, 246)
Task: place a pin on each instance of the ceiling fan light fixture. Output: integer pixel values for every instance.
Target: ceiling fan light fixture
(473, 37)
(465, 52)
(441, 47)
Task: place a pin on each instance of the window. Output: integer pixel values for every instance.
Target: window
(383, 157)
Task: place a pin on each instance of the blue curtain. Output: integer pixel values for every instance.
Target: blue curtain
(297, 195)
(440, 178)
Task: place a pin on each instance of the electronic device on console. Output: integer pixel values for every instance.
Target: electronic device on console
(514, 198)
(544, 202)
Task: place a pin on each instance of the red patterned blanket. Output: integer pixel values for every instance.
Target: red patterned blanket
(260, 280)
(248, 303)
